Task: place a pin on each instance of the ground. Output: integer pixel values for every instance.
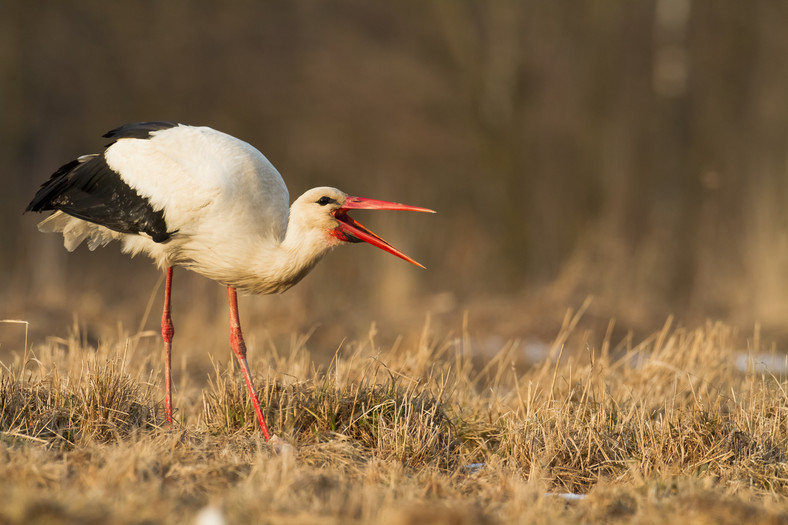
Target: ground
(688, 424)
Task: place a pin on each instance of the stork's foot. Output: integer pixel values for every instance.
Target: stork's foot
(281, 447)
(171, 424)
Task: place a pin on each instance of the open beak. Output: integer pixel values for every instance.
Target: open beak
(350, 230)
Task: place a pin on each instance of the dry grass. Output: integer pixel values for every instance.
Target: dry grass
(666, 430)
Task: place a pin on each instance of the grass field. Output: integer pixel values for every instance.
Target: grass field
(687, 425)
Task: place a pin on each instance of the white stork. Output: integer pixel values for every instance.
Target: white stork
(203, 200)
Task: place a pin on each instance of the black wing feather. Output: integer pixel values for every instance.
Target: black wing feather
(138, 130)
(87, 188)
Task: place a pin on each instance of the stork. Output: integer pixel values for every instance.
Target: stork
(203, 200)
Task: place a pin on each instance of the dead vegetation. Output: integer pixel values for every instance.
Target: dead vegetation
(671, 428)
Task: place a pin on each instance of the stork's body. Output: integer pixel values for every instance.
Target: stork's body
(203, 200)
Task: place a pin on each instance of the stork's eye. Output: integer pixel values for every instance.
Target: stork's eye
(325, 200)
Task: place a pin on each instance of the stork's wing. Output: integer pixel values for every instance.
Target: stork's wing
(159, 178)
(138, 130)
(87, 188)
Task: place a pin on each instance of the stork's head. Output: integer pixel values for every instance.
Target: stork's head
(324, 211)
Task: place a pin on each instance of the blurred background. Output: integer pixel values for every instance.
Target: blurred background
(636, 152)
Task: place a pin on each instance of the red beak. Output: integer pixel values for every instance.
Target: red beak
(350, 230)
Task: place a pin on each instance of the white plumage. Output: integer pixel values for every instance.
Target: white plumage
(201, 199)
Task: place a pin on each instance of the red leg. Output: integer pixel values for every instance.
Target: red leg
(239, 348)
(167, 333)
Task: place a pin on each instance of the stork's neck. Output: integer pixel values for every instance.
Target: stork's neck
(280, 264)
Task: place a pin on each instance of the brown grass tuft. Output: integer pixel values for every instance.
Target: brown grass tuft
(42, 402)
(398, 418)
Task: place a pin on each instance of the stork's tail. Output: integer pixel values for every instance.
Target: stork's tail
(76, 230)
